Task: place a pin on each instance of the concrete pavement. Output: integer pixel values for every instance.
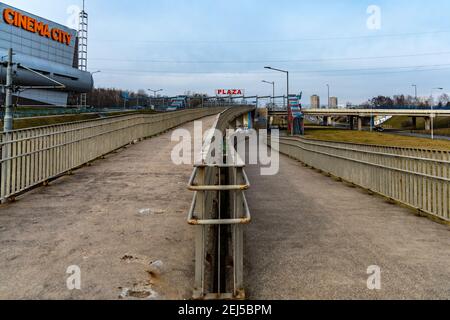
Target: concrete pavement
(112, 220)
(314, 238)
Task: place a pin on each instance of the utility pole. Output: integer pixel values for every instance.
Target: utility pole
(273, 90)
(287, 80)
(8, 120)
(415, 95)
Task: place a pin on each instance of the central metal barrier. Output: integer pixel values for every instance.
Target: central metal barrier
(219, 212)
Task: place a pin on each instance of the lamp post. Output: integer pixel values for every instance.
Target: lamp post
(287, 78)
(432, 115)
(273, 91)
(154, 93)
(415, 93)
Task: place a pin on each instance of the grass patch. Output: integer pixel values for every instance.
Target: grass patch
(375, 138)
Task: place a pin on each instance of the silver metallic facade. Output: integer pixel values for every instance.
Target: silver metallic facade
(56, 60)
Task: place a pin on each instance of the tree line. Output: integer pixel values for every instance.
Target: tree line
(407, 101)
(115, 98)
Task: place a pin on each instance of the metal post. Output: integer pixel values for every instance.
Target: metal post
(415, 95)
(8, 120)
(200, 245)
(8, 127)
(432, 109)
(273, 94)
(287, 75)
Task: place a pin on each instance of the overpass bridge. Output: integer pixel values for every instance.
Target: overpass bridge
(360, 114)
(105, 196)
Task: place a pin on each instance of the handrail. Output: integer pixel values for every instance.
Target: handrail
(414, 181)
(371, 163)
(194, 221)
(392, 155)
(193, 187)
(32, 156)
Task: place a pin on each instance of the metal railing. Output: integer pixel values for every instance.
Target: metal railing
(417, 178)
(219, 211)
(31, 157)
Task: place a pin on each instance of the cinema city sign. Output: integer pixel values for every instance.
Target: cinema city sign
(29, 24)
(230, 92)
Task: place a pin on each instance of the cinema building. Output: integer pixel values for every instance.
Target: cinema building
(47, 48)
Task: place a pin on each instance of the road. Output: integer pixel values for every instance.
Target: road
(314, 238)
(419, 135)
(112, 220)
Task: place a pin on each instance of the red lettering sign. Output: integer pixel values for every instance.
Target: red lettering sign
(230, 92)
(29, 24)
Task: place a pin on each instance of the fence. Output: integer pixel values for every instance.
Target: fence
(418, 178)
(34, 156)
(219, 211)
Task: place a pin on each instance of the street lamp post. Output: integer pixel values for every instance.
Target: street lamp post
(432, 115)
(273, 90)
(415, 93)
(154, 94)
(287, 79)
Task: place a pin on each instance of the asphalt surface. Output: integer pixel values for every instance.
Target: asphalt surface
(314, 238)
(112, 220)
(419, 135)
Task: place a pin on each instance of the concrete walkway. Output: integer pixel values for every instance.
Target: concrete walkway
(112, 220)
(314, 238)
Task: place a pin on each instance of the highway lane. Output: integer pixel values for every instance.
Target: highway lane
(314, 238)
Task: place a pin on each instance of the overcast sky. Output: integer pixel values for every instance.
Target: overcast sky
(203, 45)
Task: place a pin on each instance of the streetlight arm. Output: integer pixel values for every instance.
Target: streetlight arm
(275, 69)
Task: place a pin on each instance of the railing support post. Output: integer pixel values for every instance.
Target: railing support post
(200, 241)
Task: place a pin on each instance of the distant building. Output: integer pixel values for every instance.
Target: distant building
(315, 102)
(333, 102)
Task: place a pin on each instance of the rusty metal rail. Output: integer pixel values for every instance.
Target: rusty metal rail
(219, 212)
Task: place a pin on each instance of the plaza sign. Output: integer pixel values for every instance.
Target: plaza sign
(229, 92)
